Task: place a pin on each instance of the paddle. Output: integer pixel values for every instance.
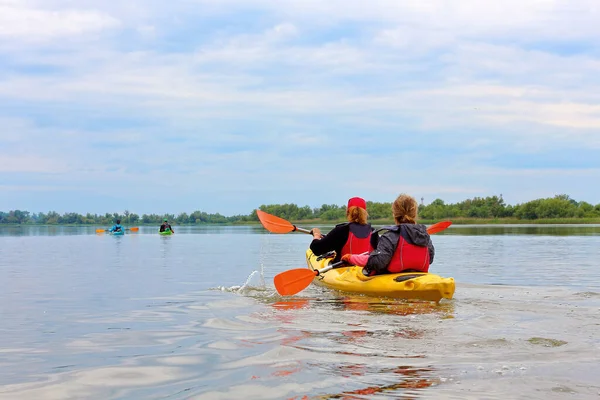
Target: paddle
(438, 227)
(290, 282)
(277, 225)
(134, 229)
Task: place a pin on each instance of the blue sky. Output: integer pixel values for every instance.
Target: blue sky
(222, 106)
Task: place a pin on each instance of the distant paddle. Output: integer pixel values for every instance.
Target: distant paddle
(134, 229)
(290, 282)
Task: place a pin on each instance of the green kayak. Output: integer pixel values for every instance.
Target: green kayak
(165, 233)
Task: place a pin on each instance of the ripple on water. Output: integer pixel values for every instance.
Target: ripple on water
(95, 383)
(170, 336)
(547, 342)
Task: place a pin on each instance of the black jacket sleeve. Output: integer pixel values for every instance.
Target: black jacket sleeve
(380, 258)
(374, 239)
(334, 240)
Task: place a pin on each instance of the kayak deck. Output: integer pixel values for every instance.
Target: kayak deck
(410, 285)
(167, 232)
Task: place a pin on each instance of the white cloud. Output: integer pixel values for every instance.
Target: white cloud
(31, 163)
(18, 21)
(530, 20)
(148, 31)
(282, 31)
(341, 84)
(36, 188)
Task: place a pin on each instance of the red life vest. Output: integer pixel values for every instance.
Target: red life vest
(356, 245)
(409, 256)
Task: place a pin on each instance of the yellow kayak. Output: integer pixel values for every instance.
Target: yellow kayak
(411, 285)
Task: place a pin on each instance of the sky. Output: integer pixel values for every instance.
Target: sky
(222, 106)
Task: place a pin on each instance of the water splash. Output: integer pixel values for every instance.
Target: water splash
(254, 286)
(246, 285)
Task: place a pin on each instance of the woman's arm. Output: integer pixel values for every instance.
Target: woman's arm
(359, 259)
(380, 258)
(334, 240)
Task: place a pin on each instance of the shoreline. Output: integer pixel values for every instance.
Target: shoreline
(376, 222)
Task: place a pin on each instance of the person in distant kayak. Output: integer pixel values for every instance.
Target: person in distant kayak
(406, 247)
(116, 227)
(166, 226)
(354, 236)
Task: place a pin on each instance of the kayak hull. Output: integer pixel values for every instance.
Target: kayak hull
(165, 233)
(411, 285)
(118, 233)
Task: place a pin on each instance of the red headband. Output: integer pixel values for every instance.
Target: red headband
(357, 202)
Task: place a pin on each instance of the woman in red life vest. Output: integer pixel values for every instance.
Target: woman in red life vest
(354, 236)
(405, 247)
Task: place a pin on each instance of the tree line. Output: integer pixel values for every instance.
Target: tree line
(492, 207)
(127, 218)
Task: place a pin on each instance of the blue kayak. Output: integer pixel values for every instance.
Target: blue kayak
(118, 233)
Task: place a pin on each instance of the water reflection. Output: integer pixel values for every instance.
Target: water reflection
(394, 307)
(402, 381)
(376, 305)
(165, 249)
(287, 314)
(104, 382)
(291, 304)
(46, 230)
(329, 340)
(524, 229)
(67, 230)
(533, 229)
(101, 317)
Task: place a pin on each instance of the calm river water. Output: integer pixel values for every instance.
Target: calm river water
(195, 316)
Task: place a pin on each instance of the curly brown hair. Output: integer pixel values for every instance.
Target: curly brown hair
(404, 209)
(357, 214)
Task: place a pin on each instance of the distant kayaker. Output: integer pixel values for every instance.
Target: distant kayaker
(406, 247)
(116, 227)
(354, 236)
(165, 226)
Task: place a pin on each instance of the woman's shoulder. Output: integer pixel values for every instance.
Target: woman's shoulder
(388, 228)
(340, 228)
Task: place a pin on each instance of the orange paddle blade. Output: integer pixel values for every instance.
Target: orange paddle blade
(440, 226)
(134, 229)
(293, 281)
(100, 230)
(274, 224)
